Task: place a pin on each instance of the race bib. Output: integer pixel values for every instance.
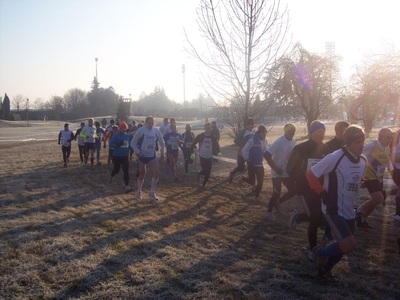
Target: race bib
(350, 189)
(380, 171)
(150, 147)
(188, 144)
(312, 162)
(125, 144)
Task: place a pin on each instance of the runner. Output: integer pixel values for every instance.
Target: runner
(336, 143)
(377, 153)
(98, 138)
(215, 132)
(253, 154)
(81, 142)
(66, 136)
(163, 128)
(188, 139)
(395, 158)
(89, 134)
(108, 137)
(172, 141)
(240, 140)
(120, 143)
(208, 146)
(343, 171)
(277, 157)
(144, 144)
(303, 157)
(110, 127)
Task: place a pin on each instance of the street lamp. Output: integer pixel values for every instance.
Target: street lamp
(96, 60)
(27, 112)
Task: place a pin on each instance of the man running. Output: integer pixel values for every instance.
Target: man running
(395, 158)
(163, 128)
(98, 138)
(377, 153)
(253, 154)
(89, 134)
(144, 144)
(110, 127)
(277, 156)
(172, 141)
(188, 139)
(336, 142)
(208, 146)
(240, 140)
(343, 171)
(120, 143)
(65, 137)
(81, 142)
(108, 137)
(303, 157)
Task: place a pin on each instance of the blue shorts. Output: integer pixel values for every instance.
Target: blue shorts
(146, 160)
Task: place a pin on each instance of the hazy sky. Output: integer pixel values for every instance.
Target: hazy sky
(50, 46)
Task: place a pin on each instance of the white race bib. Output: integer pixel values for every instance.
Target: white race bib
(188, 144)
(380, 171)
(350, 188)
(312, 162)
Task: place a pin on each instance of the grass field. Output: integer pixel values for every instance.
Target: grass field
(67, 234)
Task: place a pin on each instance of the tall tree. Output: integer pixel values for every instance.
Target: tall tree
(243, 38)
(376, 89)
(6, 107)
(305, 82)
(17, 102)
(76, 102)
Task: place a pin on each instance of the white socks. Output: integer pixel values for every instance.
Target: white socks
(153, 185)
(139, 185)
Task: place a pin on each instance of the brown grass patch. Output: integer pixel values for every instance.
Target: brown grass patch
(66, 233)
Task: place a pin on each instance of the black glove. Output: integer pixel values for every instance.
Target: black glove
(324, 197)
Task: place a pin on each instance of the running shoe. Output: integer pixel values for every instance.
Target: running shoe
(176, 178)
(139, 195)
(310, 256)
(127, 188)
(328, 238)
(203, 187)
(396, 217)
(292, 222)
(65, 165)
(153, 196)
(319, 261)
(270, 216)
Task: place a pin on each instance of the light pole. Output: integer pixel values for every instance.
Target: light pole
(184, 92)
(96, 60)
(27, 112)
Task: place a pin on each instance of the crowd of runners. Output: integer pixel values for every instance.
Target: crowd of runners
(326, 177)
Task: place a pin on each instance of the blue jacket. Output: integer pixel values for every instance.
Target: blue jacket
(120, 143)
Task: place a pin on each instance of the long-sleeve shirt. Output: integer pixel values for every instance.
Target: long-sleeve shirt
(120, 143)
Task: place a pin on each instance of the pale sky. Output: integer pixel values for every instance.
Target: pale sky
(49, 46)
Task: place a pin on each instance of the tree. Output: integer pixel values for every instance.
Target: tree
(101, 101)
(6, 107)
(376, 89)
(17, 102)
(76, 103)
(38, 104)
(305, 82)
(243, 38)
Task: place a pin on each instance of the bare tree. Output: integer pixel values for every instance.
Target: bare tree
(376, 89)
(243, 38)
(76, 102)
(17, 102)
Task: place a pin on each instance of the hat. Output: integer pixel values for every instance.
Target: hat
(123, 125)
(133, 122)
(114, 126)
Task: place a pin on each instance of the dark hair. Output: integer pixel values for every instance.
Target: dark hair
(249, 121)
(148, 118)
(341, 124)
(83, 123)
(112, 121)
(97, 123)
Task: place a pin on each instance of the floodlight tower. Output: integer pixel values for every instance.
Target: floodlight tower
(96, 60)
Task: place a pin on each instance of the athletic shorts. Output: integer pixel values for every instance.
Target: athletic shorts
(341, 227)
(146, 160)
(396, 176)
(89, 146)
(374, 185)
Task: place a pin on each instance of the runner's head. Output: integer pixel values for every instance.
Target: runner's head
(249, 125)
(82, 124)
(97, 124)
(213, 124)
(385, 136)
(261, 132)
(90, 122)
(172, 121)
(173, 128)
(66, 126)
(123, 127)
(165, 121)
(207, 128)
(317, 131)
(340, 127)
(149, 122)
(289, 130)
(114, 128)
(354, 138)
(188, 128)
(112, 122)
